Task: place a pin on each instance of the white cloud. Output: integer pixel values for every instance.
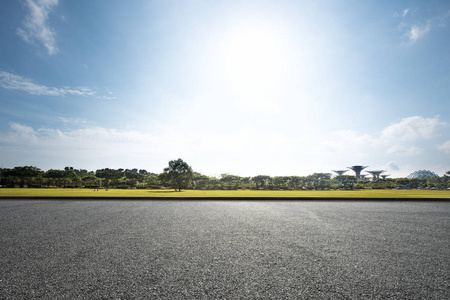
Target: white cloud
(116, 148)
(94, 138)
(415, 33)
(35, 25)
(14, 82)
(407, 138)
(411, 128)
(445, 147)
(392, 165)
(405, 12)
(23, 130)
(417, 27)
(416, 30)
(404, 151)
(245, 151)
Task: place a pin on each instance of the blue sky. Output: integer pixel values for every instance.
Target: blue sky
(238, 87)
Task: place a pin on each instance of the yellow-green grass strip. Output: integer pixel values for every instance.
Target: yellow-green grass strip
(61, 192)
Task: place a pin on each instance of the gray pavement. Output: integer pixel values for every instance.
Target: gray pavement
(67, 249)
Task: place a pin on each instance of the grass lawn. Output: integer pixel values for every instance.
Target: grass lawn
(241, 193)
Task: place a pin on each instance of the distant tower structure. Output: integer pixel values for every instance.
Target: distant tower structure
(340, 172)
(376, 174)
(357, 170)
(363, 176)
(384, 176)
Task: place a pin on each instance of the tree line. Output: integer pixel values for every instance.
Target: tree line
(179, 175)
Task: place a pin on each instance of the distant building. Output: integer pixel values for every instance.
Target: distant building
(423, 174)
(357, 170)
(340, 172)
(376, 174)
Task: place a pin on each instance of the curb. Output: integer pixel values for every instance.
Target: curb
(222, 198)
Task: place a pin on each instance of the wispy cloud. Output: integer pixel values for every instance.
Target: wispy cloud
(14, 82)
(36, 27)
(405, 12)
(75, 122)
(414, 28)
(445, 147)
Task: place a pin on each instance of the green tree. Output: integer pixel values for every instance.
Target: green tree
(402, 182)
(179, 174)
(90, 181)
(71, 177)
(319, 180)
(446, 179)
(200, 181)
(55, 177)
(280, 182)
(346, 182)
(143, 172)
(25, 174)
(296, 182)
(152, 181)
(245, 183)
(81, 173)
(110, 175)
(260, 181)
(133, 175)
(230, 182)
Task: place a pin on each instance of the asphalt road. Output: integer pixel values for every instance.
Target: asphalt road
(224, 250)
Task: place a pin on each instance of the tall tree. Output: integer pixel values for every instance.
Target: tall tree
(446, 179)
(179, 174)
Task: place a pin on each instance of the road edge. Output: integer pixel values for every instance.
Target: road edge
(222, 198)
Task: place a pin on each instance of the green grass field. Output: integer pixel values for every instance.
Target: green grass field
(241, 193)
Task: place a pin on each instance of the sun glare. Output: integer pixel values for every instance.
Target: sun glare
(254, 63)
(253, 57)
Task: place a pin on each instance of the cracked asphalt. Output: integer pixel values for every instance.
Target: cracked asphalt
(67, 249)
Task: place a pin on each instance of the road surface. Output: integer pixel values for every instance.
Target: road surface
(66, 249)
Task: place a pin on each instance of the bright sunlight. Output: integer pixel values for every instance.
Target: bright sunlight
(254, 62)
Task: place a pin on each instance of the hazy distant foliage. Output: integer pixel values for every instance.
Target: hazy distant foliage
(179, 175)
